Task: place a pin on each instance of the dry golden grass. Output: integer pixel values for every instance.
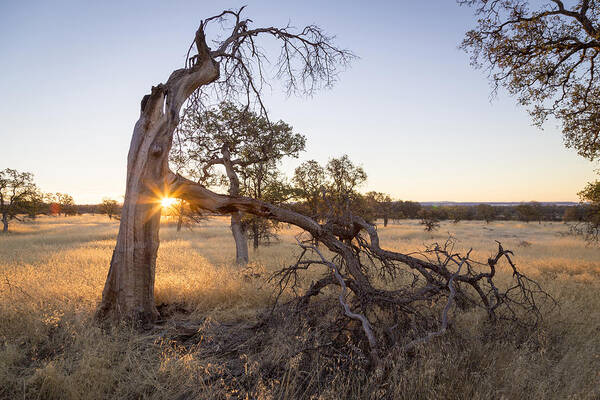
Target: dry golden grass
(52, 272)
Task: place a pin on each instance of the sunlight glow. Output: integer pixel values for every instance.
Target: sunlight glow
(167, 202)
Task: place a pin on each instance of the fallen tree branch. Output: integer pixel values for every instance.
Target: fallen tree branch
(444, 325)
(366, 325)
(386, 285)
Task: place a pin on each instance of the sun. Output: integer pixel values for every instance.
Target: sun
(167, 202)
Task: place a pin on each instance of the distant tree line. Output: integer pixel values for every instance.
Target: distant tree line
(21, 198)
(526, 212)
(319, 191)
(379, 206)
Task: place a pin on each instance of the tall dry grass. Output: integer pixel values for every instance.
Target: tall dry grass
(52, 272)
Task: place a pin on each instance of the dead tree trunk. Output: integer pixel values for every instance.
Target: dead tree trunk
(129, 288)
(4, 222)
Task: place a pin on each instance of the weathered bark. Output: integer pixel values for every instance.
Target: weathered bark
(129, 288)
(240, 238)
(198, 196)
(237, 228)
(4, 222)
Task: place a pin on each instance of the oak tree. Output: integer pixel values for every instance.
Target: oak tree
(331, 190)
(529, 212)
(64, 202)
(309, 183)
(263, 181)
(110, 207)
(380, 205)
(16, 190)
(345, 177)
(343, 180)
(547, 56)
(240, 141)
(485, 212)
(35, 204)
(588, 223)
(430, 219)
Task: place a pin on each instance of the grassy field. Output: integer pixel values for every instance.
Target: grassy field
(52, 272)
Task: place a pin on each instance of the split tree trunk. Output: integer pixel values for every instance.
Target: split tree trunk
(129, 289)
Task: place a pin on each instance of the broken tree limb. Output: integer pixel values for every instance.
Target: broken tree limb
(439, 274)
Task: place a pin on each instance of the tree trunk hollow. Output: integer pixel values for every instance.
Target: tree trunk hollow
(129, 290)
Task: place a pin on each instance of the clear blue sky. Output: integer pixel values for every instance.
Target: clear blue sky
(411, 110)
